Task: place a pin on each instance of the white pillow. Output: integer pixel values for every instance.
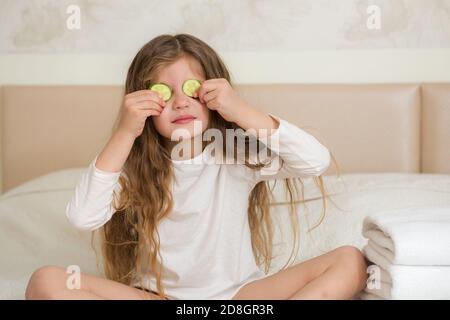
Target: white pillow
(34, 231)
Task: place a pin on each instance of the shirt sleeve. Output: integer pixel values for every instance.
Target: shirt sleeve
(91, 204)
(295, 154)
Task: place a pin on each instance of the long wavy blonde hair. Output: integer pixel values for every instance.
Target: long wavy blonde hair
(130, 240)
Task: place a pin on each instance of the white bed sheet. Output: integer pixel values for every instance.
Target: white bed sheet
(34, 231)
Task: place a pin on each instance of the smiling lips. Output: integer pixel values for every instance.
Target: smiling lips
(183, 119)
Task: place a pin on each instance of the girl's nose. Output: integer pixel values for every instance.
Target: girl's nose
(180, 100)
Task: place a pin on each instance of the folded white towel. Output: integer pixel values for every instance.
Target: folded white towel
(411, 236)
(405, 282)
(369, 296)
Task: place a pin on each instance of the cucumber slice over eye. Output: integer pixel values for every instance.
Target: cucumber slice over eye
(190, 86)
(162, 88)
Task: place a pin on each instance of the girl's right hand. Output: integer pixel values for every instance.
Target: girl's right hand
(137, 107)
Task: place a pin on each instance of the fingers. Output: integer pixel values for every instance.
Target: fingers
(145, 95)
(212, 104)
(204, 89)
(151, 112)
(209, 96)
(148, 105)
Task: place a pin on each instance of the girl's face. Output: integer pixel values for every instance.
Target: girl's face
(180, 104)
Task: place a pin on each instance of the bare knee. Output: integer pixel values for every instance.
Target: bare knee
(354, 262)
(44, 282)
(351, 255)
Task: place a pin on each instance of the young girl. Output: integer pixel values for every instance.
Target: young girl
(189, 226)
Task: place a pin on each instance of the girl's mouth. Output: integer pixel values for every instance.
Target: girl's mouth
(184, 120)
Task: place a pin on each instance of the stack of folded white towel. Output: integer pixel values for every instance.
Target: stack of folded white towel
(410, 250)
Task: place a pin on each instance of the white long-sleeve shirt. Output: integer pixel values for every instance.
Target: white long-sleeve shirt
(205, 241)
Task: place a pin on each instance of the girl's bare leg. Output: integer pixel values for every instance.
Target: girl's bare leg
(338, 274)
(49, 282)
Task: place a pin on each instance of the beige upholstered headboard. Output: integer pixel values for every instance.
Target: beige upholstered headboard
(368, 128)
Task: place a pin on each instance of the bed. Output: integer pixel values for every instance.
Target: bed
(391, 142)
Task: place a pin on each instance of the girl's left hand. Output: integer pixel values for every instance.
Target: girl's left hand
(220, 96)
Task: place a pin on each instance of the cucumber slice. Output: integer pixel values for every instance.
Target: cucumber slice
(190, 86)
(162, 88)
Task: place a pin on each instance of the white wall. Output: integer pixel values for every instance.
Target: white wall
(304, 41)
(349, 66)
